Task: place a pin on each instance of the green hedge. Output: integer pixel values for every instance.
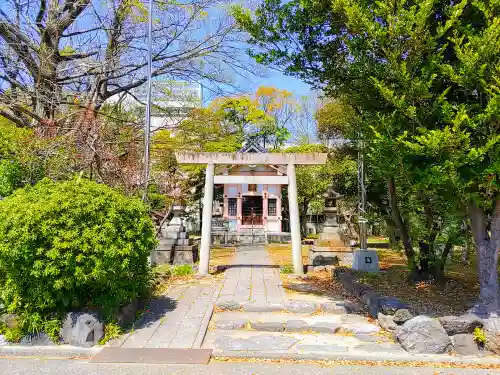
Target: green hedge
(73, 244)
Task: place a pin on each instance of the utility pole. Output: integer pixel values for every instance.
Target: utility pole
(147, 122)
(363, 238)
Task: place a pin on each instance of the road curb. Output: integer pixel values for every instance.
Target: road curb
(63, 351)
(356, 356)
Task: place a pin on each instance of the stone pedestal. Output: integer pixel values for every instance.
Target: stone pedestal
(176, 247)
(365, 260)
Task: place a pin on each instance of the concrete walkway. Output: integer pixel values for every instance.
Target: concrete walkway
(177, 320)
(252, 278)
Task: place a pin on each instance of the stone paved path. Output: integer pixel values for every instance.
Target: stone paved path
(260, 319)
(252, 278)
(177, 320)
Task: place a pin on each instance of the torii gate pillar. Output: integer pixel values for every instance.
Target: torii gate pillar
(206, 227)
(293, 207)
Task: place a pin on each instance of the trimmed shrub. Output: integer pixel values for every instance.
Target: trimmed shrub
(71, 245)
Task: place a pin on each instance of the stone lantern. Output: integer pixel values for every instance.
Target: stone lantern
(176, 247)
(331, 229)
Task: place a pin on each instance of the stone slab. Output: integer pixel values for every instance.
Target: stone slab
(153, 355)
(296, 326)
(231, 324)
(334, 308)
(301, 307)
(261, 343)
(325, 328)
(268, 326)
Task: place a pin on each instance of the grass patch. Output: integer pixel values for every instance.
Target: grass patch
(282, 254)
(221, 256)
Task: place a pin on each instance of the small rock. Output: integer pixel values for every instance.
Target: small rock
(372, 302)
(492, 331)
(464, 344)
(325, 328)
(36, 339)
(127, 313)
(299, 307)
(401, 316)
(231, 324)
(334, 308)
(296, 326)
(353, 307)
(386, 322)
(83, 329)
(358, 289)
(228, 305)
(268, 326)
(10, 320)
(423, 335)
(455, 325)
(390, 305)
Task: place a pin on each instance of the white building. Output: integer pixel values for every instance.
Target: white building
(172, 101)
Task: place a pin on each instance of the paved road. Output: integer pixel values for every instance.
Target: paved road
(13, 366)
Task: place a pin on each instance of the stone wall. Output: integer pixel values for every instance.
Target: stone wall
(423, 334)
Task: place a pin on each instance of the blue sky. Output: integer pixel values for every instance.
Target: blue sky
(281, 81)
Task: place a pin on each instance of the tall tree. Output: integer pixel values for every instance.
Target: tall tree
(62, 57)
(422, 77)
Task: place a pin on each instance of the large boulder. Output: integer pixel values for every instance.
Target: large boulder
(9, 320)
(83, 329)
(455, 325)
(464, 344)
(386, 322)
(401, 316)
(423, 335)
(491, 329)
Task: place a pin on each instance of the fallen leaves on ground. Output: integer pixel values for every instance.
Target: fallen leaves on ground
(332, 363)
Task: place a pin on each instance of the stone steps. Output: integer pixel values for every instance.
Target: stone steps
(261, 344)
(291, 306)
(293, 323)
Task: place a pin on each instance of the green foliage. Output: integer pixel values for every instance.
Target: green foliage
(286, 269)
(13, 334)
(72, 244)
(418, 83)
(479, 336)
(52, 328)
(10, 176)
(111, 331)
(180, 270)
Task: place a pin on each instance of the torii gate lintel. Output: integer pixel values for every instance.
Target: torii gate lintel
(288, 159)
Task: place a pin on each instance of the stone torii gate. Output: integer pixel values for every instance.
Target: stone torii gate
(213, 158)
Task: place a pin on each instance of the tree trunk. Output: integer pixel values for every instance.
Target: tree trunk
(400, 225)
(303, 217)
(391, 233)
(487, 257)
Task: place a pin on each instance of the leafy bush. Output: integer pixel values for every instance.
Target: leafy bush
(286, 269)
(73, 244)
(479, 336)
